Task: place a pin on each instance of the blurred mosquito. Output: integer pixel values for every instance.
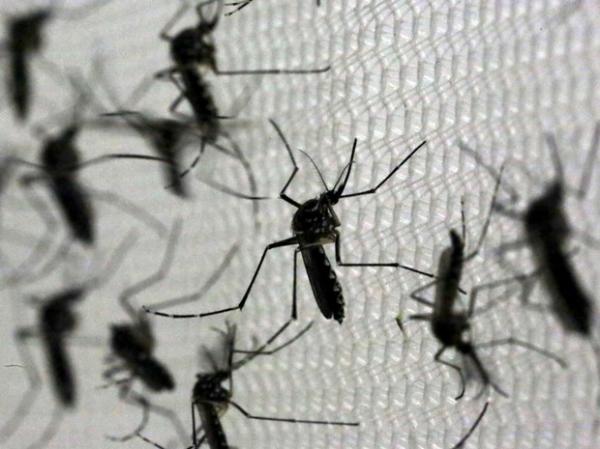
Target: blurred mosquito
(25, 40)
(210, 399)
(166, 136)
(239, 5)
(314, 225)
(193, 49)
(451, 327)
(58, 168)
(57, 321)
(133, 344)
(547, 230)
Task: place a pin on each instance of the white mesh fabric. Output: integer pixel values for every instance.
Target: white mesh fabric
(493, 74)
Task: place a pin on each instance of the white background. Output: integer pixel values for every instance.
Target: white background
(496, 74)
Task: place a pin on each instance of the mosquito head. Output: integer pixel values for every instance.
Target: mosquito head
(208, 387)
(59, 152)
(57, 319)
(127, 342)
(25, 31)
(544, 216)
(456, 240)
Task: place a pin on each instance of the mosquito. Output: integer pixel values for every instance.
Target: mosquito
(315, 224)
(58, 168)
(452, 328)
(193, 49)
(241, 4)
(133, 344)
(547, 230)
(25, 40)
(210, 399)
(57, 321)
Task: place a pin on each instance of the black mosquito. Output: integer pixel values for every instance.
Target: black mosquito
(132, 350)
(25, 40)
(57, 321)
(547, 230)
(167, 137)
(452, 327)
(210, 399)
(58, 168)
(193, 49)
(314, 225)
(239, 5)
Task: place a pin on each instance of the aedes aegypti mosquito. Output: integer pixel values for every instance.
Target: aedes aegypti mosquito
(58, 168)
(210, 399)
(25, 40)
(547, 230)
(450, 326)
(133, 344)
(314, 225)
(193, 49)
(57, 321)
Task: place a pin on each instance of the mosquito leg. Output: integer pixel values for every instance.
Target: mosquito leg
(131, 209)
(339, 261)
(261, 350)
(420, 299)
(212, 280)
(485, 377)
(420, 317)
(50, 431)
(438, 359)
(43, 245)
(523, 344)
(138, 400)
(289, 420)
(143, 404)
(586, 175)
(473, 427)
(282, 194)
(154, 278)
(488, 219)
(286, 242)
(156, 445)
(239, 6)
(164, 32)
(373, 190)
(489, 286)
(294, 315)
(33, 377)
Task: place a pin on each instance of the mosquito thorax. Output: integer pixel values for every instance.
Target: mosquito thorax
(128, 342)
(192, 46)
(315, 218)
(59, 152)
(449, 330)
(57, 319)
(544, 217)
(25, 31)
(208, 387)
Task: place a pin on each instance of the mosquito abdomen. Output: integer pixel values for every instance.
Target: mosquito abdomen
(213, 429)
(323, 280)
